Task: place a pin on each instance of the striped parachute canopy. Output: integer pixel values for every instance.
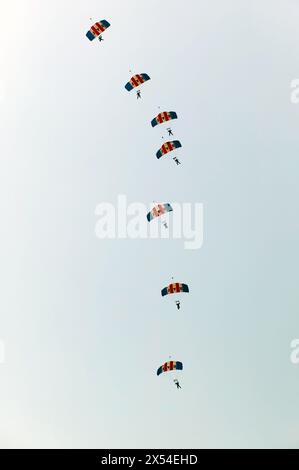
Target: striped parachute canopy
(168, 147)
(136, 80)
(169, 366)
(164, 117)
(158, 210)
(174, 288)
(97, 29)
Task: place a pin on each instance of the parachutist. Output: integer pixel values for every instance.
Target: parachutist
(177, 161)
(169, 131)
(138, 94)
(177, 384)
(165, 225)
(178, 304)
(100, 38)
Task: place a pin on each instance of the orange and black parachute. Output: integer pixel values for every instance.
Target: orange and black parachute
(97, 29)
(164, 117)
(168, 147)
(174, 288)
(136, 80)
(169, 366)
(159, 210)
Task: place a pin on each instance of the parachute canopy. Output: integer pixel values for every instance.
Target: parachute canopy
(168, 147)
(164, 117)
(174, 288)
(97, 29)
(158, 210)
(170, 365)
(136, 80)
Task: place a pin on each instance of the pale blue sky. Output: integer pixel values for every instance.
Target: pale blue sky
(82, 319)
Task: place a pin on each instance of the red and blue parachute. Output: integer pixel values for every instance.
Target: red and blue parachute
(174, 288)
(168, 147)
(136, 80)
(164, 117)
(97, 29)
(158, 210)
(169, 366)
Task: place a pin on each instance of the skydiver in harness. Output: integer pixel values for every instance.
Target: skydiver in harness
(178, 304)
(169, 131)
(138, 94)
(100, 38)
(165, 224)
(177, 161)
(177, 383)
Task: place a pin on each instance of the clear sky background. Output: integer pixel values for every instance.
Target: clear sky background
(84, 325)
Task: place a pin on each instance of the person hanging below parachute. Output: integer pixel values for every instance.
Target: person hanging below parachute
(177, 383)
(136, 81)
(97, 29)
(178, 304)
